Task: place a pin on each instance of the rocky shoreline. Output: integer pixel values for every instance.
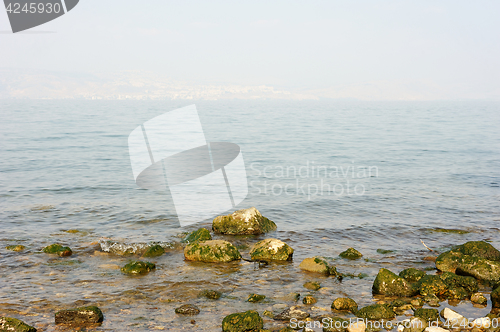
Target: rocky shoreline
(467, 273)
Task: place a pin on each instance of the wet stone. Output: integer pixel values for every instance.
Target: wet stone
(309, 300)
(427, 314)
(312, 285)
(58, 249)
(17, 247)
(478, 298)
(376, 312)
(248, 321)
(292, 312)
(388, 283)
(271, 249)
(412, 275)
(138, 267)
(255, 298)
(210, 294)
(154, 251)
(211, 251)
(79, 316)
(187, 309)
(15, 325)
(351, 253)
(243, 222)
(318, 264)
(345, 304)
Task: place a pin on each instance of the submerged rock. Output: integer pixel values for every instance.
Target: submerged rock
(17, 247)
(242, 222)
(376, 312)
(478, 298)
(318, 264)
(138, 267)
(351, 253)
(388, 283)
(201, 234)
(154, 251)
(292, 312)
(255, 298)
(312, 285)
(271, 249)
(411, 274)
(248, 321)
(210, 294)
(58, 249)
(79, 316)
(309, 299)
(187, 309)
(211, 251)
(345, 303)
(14, 325)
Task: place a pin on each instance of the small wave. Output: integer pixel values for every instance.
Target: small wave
(118, 248)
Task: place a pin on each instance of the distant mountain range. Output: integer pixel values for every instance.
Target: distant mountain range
(39, 84)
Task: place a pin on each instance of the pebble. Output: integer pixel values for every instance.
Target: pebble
(357, 327)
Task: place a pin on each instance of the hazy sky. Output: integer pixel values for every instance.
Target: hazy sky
(299, 45)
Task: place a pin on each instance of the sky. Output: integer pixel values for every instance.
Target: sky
(436, 49)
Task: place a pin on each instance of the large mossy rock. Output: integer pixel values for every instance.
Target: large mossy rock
(201, 234)
(58, 249)
(213, 251)
(14, 325)
(248, 321)
(243, 222)
(388, 283)
(318, 264)
(477, 259)
(271, 249)
(138, 267)
(80, 316)
(376, 312)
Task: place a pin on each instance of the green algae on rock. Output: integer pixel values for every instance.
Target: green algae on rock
(255, 298)
(431, 285)
(495, 297)
(210, 294)
(318, 264)
(376, 312)
(138, 267)
(187, 309)
(427, 314)
(345, 304)
(478, 298)
(15, 325)
(58, 249)
(479, 249)
(469, 284)
(17, 247)
(411, 274)
(79, 316)
(351, 253)
(201, 234)
(243, 222)
(388, 283)
(154, 251)
(384, 251)
(212, 251)
(248, 321)
(312, 285)
(271, 250)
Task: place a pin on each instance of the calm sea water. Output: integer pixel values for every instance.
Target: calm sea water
(364, 174)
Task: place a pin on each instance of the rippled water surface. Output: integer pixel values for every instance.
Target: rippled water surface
(64, 165)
